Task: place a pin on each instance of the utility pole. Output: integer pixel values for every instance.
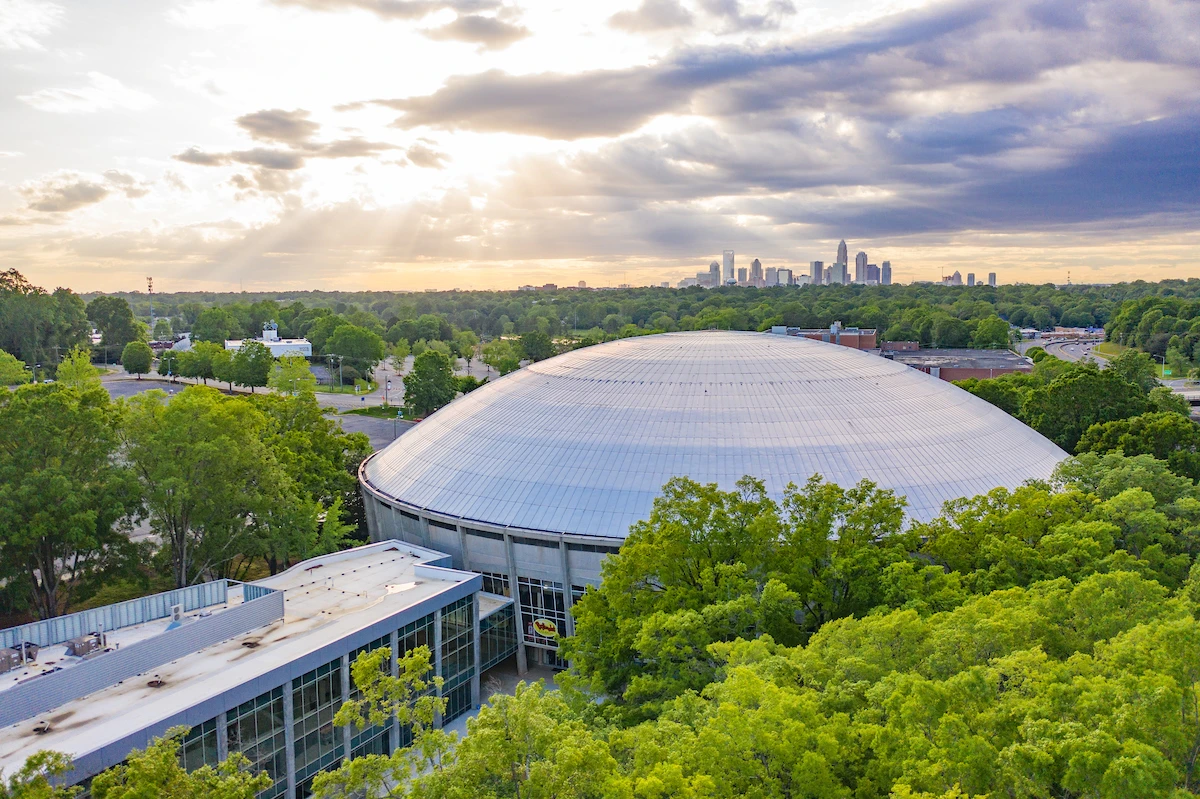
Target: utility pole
(150, 289)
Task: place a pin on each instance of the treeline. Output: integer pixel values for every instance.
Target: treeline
(1167, 327)
(229, 486)
(1040, 642)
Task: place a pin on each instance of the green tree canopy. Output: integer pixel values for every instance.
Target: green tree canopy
(537, 346)
(137, 358)
(12, 371)
(252, 364)
(76, 370)
(197, 362)
(358, 344)
(501, 356)
(429, 385)
(156, 772)
(1168, 436)
(293, 374)
(215, 325)
(113, 317)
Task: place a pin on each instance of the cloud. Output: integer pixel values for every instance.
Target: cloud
(652, 16)
(24, 22)
(100, 94)
(194, 155)
(63, 191)
(277, 125)
(736, 19)
(425, 156)
(131, 186)
(269, 159)
(489, 33)
(394, 9)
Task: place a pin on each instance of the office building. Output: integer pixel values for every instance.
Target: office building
(839, 274)
(727, 257)
(714, 274)
(816, 273)
(829, 274)
(756, 273)
(860, 267)
(970, 278)
(885, 273)
(688, 282)
(784, 277)
(872, 275)
(258, 668)
(843, 253)
(278, 346)
(534, 480)
(743, 276)
(992, 279)
(771, 278)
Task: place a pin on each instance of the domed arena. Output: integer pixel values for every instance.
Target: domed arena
(537, 475)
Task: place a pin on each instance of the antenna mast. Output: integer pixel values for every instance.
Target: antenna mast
(150, 289)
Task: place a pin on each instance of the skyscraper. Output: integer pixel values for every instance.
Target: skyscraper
(784, 277)
(843, 256)
(872, 278)
(743, 279)
(885, 273)
(714, 275)
(970, 278)
(756, 273)
(992, 279)
(839, 274)
(771, 278)
(860, 268)
(727, 257)
(816, 273)
(956, 278)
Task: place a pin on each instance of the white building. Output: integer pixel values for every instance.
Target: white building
(278, 346)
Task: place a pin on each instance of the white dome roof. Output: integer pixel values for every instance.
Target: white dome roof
(582, 443)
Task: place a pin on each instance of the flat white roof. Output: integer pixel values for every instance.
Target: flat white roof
(325, 599)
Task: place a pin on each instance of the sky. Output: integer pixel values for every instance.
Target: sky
(418, 144)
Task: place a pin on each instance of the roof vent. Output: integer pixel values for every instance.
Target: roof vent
(41, 728)
(157, 682)
(250, 644)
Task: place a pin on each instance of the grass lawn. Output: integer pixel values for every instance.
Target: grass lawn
(346, 389)
(1110, 349)
(378, 411)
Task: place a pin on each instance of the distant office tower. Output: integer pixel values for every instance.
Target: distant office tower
(829, 274)
(839, 274)
(756, 273)
(727, 257)
(970, 278)
(583, 284)
(860, 267)
(843, 253)
(885, 273)
(872, 275)
(816, 273)
(742, 276)
(783, 277)
(714, 274)
(956, 278)
(666, 284)
(772, 276)
(992, 279)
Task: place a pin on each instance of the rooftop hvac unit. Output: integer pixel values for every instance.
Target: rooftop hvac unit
(177, 613)
(85, 644)
(10, 659)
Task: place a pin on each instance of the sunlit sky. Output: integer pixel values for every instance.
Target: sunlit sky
(412, 144)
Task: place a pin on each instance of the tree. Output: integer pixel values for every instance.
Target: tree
(992, 333)
(1136, 367)
(429, 385)
(252, 364)
(400, 352)
(1078, 398)
(76, 370)
(1163, 399)
(137, 357)
(224, 367)
(157, 772)
(465, 384)
(951, 332)
(358, 344)
(34, 325)
(197, 362)
(12, 371)
(293, 374)
(537, 346)
(63, 491)
(465, 344)
(41, 777)
(500, 355)
(114, 319)
(204, 470)
(168, 363)
(1168, 436)
(162, 330)
(215, 325)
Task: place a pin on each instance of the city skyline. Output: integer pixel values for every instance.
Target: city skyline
(486, 144)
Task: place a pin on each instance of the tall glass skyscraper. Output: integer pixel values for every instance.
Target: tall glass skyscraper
(843, 253)
(727, 256)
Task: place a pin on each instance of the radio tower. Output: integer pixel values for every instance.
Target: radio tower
(150, 288)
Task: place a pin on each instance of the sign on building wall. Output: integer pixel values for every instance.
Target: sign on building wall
(545, 628)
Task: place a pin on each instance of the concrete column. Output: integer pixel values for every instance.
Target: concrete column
(222, 736)
(346, 731)
(568, 598)
(437, 657)
(462, 547)
(289, 738)
(522, 657)
(478, 647)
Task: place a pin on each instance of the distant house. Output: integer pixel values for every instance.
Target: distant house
(278, 346)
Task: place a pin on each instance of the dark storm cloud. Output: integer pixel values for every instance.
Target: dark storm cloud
(394, 9)
(489, 33)
(652, 16)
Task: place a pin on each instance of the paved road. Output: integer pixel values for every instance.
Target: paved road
(1074, 351)
(380, 431)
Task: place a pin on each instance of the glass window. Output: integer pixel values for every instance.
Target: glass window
(542, 600)
(495, 583)
(374, 739)
(256, 729)
(497, 637)
(316, 697)
(458, 656)
(199, 746)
